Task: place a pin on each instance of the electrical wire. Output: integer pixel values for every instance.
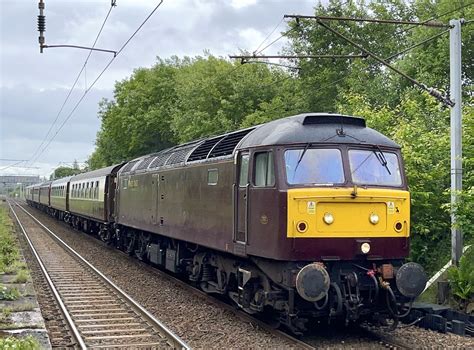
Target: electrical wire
(442, 15)
(74, 84)
(277, 39)
(97, 78)
(386, 59)
(12, 165)
(269, 35)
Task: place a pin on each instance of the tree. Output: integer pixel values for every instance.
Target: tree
(64, 171)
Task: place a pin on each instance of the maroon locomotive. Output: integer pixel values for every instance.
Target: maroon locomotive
(304, 217)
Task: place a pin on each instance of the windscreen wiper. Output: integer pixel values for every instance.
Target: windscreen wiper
(301, 157)
(381, 157)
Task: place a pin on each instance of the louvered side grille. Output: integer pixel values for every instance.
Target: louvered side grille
(129, 166)
(179, 156)
(160, 160)
(202, 151)
(227, 145)
(145, 163)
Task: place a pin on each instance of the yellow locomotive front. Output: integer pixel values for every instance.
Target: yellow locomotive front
(348, 205)
(368, 199)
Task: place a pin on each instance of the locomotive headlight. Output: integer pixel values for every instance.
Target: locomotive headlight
(365, 248)
(328, 218)
(374, 219)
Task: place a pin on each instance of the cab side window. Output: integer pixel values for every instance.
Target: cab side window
(244, 170)
(264, 174)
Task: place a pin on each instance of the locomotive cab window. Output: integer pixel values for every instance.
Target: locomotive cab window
(316, 166)
(374, 167)
(264, 171)
(244, 170)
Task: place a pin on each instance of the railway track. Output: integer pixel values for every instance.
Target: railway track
(98, 313)
(354, 338)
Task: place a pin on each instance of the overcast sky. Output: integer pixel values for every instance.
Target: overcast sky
(33, 86)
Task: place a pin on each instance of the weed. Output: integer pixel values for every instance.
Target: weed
(26, 343)
(461, 278)
(9, 293)
(22, 276)
(5, 315)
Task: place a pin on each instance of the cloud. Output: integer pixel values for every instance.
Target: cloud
(33, 85)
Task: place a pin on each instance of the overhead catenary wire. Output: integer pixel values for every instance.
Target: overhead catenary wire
(433, 92)
(98, 77)
(269, 35)
(389, 58)
(74, 84)
(446, 13)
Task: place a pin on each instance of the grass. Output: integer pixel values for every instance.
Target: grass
(9, 254)
(26, 343)
(22, 276)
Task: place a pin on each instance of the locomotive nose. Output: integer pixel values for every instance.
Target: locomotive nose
(411, 279)
(312, 282)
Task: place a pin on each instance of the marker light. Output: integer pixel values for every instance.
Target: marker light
(302, 226)
(328, 218)
(365, 248)
(374, 219)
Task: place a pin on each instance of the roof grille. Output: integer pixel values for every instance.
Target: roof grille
(202, 151)
(160, 160)
(333, 119)
(227, 145)
(146, 162)
(129, 166)
(179, 156)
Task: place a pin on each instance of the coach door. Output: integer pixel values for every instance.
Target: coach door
(241, 193)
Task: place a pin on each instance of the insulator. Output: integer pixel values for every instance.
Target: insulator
(41, 23)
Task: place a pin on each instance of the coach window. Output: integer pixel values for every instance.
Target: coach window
(97, 189)
(264, 174)
(244, 170)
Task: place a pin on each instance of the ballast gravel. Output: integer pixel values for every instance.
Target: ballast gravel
(203, 324)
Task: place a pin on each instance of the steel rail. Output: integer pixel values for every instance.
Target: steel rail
(177, 342)
(301, 343)
(64, 310)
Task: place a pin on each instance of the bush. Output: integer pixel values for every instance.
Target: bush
(461, 279)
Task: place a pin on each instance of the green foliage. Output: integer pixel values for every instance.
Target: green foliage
(22, 276)
(64, 171)
(9, 293)
(8, 250)
(178, 100)
(26, 343)
(461, 278)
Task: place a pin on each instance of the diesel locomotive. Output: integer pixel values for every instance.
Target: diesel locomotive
(303, 218)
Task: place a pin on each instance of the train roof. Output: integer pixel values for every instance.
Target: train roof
(63, 180)
(97, 173)
(315, 128)
(45, 184)
(299, 129)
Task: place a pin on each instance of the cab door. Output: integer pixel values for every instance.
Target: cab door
(155, 183)
(241, 200)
